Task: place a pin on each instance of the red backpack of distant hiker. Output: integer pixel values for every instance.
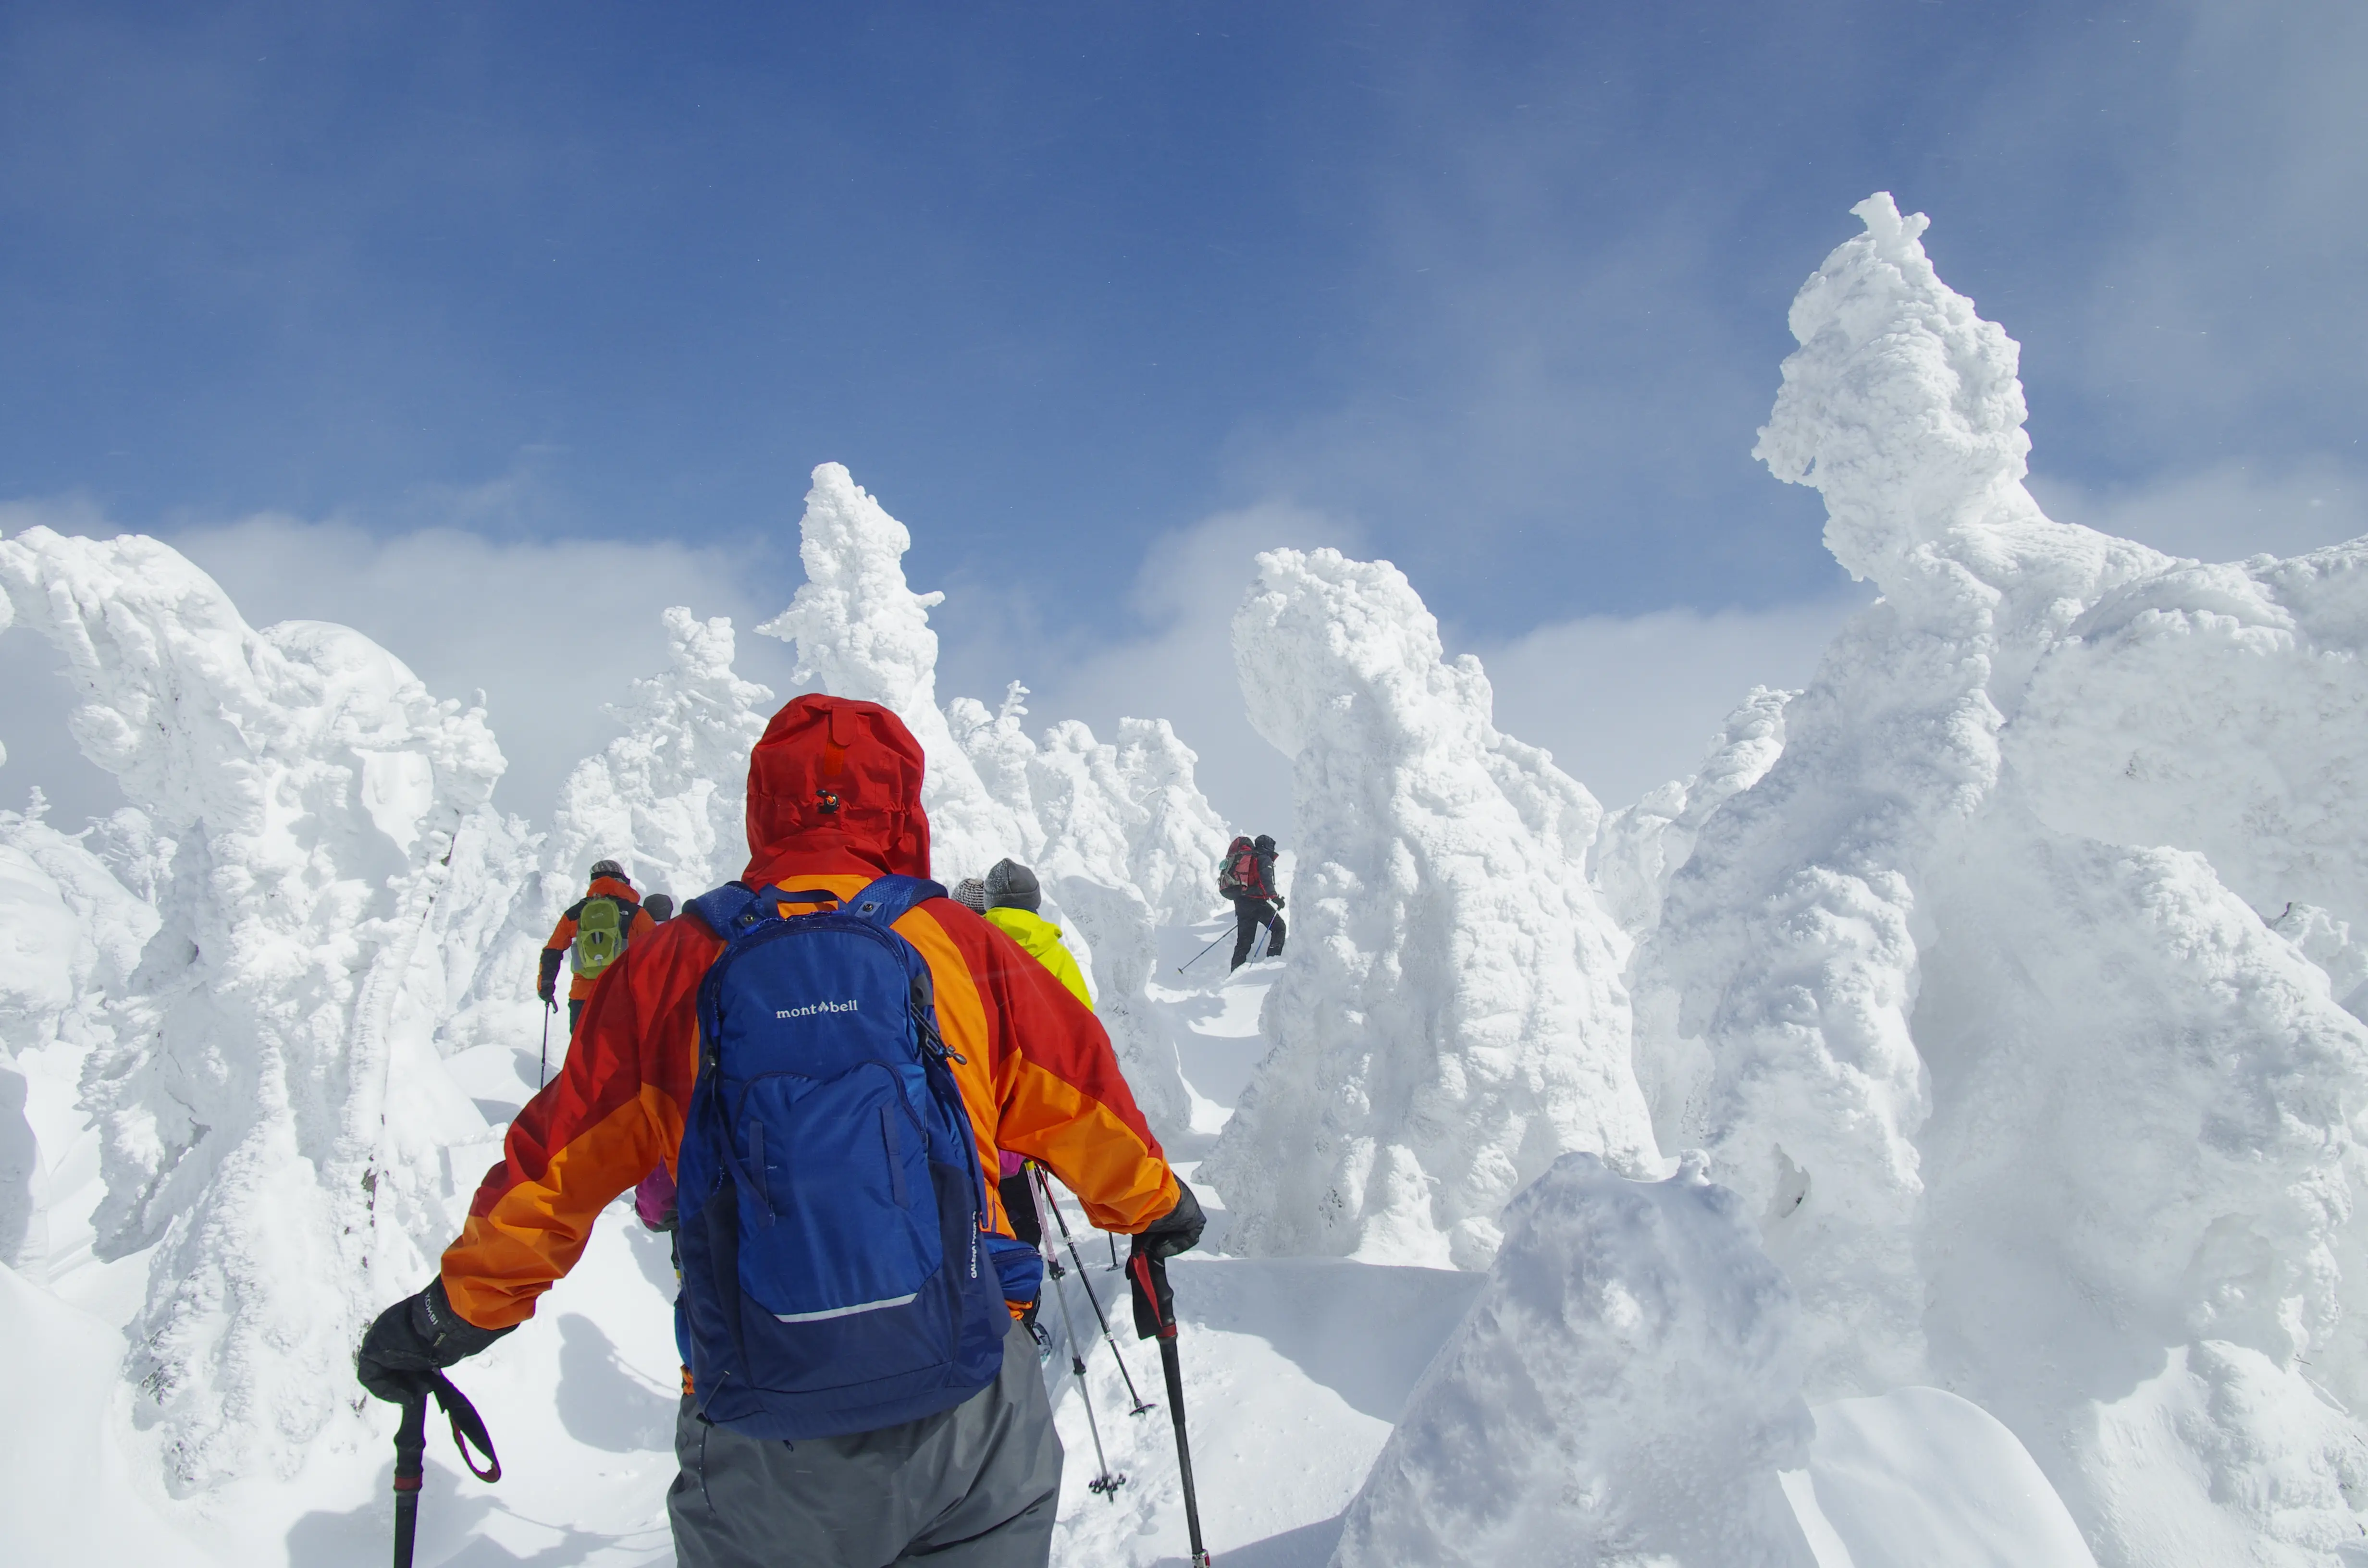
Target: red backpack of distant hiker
(1239, 878)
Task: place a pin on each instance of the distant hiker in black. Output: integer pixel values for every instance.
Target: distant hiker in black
(1247, 877)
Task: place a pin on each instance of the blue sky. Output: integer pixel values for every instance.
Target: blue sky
(1496, 292)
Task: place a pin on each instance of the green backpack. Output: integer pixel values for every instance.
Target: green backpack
(600, 933)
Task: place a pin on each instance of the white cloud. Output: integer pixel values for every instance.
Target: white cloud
(1628, 703)
(551, 630)
(2223, 513)
(1180, 666)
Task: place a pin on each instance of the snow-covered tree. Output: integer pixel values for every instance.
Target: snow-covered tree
(269, 1105)
(861, 633)
(2026, 1101)
(1451, 1019)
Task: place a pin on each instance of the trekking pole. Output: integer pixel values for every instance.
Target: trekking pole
(1166, 1322)
(411, 1452)
(1203, 954)
(543, 1068)
(1045, 1183)
(1106, 1483)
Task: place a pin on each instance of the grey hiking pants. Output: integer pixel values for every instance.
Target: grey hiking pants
(971, 1487)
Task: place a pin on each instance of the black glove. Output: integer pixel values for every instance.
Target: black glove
(1279, 900)
(1176, 1230)
(419, 1334)
(546, 987)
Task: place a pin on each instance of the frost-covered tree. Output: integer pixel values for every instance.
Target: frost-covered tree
(861, 633)
(2024, 1100)
(71, 934)
(1125, 842)
(668, 799)
(270, 1106)
(1453, 1018)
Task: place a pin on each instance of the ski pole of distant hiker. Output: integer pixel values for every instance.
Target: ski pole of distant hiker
(1044, 1186)
(411, 1452)
(543, 1069)
(1108, 1482)
(1203, 954)
(1148, 1285)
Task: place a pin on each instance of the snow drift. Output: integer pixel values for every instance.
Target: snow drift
(1451, 1016)
(271, 1110)
(1624, 1391)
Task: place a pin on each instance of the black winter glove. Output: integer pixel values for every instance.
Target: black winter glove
(421, 1334)
(546, 987)
(1177, 1230)
(1279, 900)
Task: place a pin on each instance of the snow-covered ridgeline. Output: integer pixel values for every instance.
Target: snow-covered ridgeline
(2024, 1102)
(1624, 1391)
(1451, 1019)
(267, 1096)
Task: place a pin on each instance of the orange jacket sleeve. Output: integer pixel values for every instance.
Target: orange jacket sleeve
(612, 1115)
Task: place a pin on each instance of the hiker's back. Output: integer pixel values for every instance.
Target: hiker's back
(835, 1279)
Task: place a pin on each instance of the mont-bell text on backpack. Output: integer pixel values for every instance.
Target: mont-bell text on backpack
(811, 1008)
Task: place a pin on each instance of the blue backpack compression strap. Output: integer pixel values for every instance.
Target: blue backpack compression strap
(731, 907)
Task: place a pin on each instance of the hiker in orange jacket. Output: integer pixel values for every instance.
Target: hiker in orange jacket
(833, 802)
(611, 931)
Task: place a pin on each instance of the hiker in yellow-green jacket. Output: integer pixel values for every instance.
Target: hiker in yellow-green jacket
(1011, 897)
(592, 934)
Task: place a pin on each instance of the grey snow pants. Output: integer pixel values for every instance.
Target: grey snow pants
(975, 1486)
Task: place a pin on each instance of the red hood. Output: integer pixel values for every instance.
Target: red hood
(835, 786)
(610, 887)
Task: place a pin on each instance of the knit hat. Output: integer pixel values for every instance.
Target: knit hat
(1010, 885)
(1264, 842)
(971, 894)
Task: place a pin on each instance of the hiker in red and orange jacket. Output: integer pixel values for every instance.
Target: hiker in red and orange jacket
(833, 802)
(596, 948)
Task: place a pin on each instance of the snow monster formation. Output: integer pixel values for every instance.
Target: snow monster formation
(269, 1105)
(1975, 997)
(1452, 1019)
(1623, 1392)
(860, 632)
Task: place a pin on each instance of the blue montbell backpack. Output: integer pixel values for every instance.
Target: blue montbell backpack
(834, 1275)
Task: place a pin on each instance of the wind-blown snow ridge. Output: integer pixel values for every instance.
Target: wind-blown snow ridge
(269, 1103)
(1451, 1018)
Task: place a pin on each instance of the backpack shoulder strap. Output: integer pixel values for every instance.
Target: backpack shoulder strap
(885, 902)
(727, 909)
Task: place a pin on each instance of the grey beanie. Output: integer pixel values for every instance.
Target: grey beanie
(1010, 885)
(971, 894)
